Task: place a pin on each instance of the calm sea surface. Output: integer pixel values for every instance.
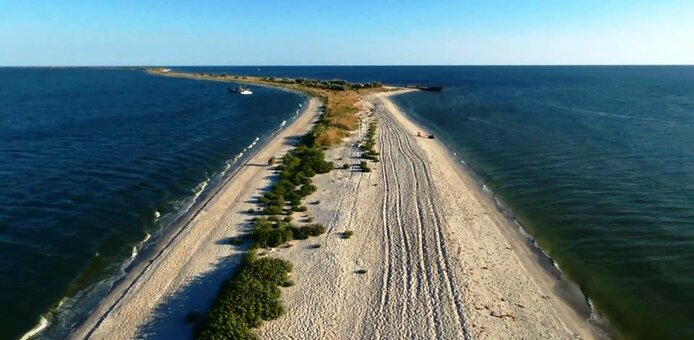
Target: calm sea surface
(88, 159)
(596, 163)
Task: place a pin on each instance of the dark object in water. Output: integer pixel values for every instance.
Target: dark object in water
(426, 88)
(431, 137)
(232, 90)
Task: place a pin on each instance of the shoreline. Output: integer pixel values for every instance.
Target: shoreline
(429, 255)
(571, 300)
(140, 269)
(143, 250)
(571, 315)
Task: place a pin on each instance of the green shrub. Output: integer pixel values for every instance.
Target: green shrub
(246, 299)
(361, 271)
(315, 229)
(345, 166)
(347, 234)
(364, 167)
(252, 294)
(273, 210)
(271, 161)
(271, 234)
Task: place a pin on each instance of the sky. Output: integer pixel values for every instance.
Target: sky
(376, 32)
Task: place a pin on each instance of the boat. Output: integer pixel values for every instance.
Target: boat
(240, 90)
(435, 88)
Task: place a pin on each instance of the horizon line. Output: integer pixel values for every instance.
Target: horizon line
(338, 65)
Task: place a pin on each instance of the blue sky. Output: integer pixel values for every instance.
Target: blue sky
(297, 32)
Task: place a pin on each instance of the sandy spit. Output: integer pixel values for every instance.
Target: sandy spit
(188, 265)
(431, 257)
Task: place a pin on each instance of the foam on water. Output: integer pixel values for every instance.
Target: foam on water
(40, 326)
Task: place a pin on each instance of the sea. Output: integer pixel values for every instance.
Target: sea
(594, 164)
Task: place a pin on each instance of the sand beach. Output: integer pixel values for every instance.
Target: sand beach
(430, 255)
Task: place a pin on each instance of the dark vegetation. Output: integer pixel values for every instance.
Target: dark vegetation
(347, 234)
(364, 167)
(269, 232)
(246, 299)
(252, 294)
(333, 85)
(368, 146)
(294, 182)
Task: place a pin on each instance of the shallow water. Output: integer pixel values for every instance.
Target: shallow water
(93, 162)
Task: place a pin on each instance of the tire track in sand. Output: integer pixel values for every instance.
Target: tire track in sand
(424, 195)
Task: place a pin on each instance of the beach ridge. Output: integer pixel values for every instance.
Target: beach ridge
(435, 247)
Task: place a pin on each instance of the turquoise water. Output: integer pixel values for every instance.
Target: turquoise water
(88, 158)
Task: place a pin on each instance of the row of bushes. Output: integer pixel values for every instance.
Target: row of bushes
(252, 295)
(368, 146)
(294, 182)
(247, 299)
(272, 232)
(334, 85)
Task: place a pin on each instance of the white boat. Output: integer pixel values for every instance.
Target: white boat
(241, 90)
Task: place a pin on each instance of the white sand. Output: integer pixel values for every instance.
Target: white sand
(441, 261)
(188, 267)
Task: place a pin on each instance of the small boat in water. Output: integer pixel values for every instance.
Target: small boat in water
(435, 88)
(240, 90)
